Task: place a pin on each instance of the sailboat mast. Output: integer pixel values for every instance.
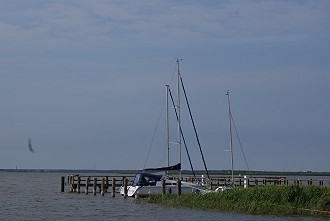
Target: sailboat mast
(179, 115)
(230, 142)
(167, 128)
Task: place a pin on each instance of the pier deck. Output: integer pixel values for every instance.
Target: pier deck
(102, 183)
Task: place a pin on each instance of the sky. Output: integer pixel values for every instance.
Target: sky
(85, 80)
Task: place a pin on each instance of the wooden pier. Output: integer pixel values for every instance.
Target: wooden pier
(250, 181)
(94, 184)
(110, 184)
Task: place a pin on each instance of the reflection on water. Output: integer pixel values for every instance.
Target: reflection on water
(37, 196)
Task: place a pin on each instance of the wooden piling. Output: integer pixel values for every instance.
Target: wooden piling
(71, 183)
(125, 187)
(113, 192)
(78, 184)
(310, 182)
(102, 187)
(87, 185)
(106, 184)
(94, 186)
(178, 187)
(62, 183)
(163, 187)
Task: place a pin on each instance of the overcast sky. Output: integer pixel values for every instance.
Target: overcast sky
(85, 80)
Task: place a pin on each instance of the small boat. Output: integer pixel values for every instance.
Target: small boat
(147, 183)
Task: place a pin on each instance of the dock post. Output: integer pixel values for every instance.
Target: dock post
(78, 184)
(163, 187)
(178, 187)
(102, 187)
(113, 193)
(62, 183)
(72, 183)
(125, 187)
(94, 186)
(106, 184)
(87, 185)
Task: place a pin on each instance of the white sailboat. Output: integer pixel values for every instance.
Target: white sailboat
(146, 183)
(232, 185)
(230, 124)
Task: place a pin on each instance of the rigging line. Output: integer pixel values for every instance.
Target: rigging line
(183, 139)
(174, 72)
(239, 141)
(193, 123)
(155, 130)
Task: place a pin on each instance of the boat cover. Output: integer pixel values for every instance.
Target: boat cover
(146, 179)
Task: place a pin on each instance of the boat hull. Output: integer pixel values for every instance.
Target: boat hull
(144, 191)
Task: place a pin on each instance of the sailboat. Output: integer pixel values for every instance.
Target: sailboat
(230, 124)
(232, 185)
(146, 182)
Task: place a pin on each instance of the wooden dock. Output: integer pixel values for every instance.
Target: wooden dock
(94, 184)
(110, 184)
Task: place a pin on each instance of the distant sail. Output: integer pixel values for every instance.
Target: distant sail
(30, 146)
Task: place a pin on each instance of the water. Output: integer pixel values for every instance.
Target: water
(37, 196)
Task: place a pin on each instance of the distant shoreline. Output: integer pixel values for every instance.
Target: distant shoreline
(185, 172)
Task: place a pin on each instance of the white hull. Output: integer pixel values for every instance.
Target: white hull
(170, 188)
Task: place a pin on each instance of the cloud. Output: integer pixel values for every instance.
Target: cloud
(71, 68)
(165, 21)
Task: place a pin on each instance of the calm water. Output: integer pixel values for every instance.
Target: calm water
(37, 196)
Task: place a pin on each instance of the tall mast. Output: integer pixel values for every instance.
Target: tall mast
(167, 128)
(178, 107)
(230, 142)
